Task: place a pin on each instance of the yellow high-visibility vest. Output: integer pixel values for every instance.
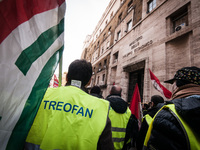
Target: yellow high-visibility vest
(148, 119)
(192, 138)
(119, 123)
(68, 119)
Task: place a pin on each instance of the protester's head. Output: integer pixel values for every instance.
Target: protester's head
(155, 99)
(186, 75)
(79, 70)
(96, 90)
(145, 106)
(116, 90)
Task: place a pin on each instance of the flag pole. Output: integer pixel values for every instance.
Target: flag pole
(60, 71)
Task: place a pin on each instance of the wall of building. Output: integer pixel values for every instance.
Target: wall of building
(154, 42)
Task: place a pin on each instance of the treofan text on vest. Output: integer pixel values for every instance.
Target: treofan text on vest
(67, 107)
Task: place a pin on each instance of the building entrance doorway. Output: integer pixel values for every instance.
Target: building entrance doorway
(136, 77)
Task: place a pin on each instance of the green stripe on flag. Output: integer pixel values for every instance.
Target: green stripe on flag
(19, 134)
(44, 41)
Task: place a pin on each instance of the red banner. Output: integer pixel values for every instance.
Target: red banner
(158, 86)
(135, 105)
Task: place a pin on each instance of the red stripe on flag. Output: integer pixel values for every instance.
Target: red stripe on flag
(15, 12)
(56, 82)
(158, 86)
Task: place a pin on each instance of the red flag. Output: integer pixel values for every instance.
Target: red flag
(158, 86)
(135, 105)
(55, 83)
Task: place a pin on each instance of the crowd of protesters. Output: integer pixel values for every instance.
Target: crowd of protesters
(72, 118)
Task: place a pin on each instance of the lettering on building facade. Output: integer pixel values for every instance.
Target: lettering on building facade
(135, 46)
(143, 46)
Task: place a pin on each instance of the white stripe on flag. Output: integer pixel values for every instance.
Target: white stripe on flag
(157, 87)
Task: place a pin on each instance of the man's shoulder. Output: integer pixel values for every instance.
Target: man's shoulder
(115, 98)
(112, 96)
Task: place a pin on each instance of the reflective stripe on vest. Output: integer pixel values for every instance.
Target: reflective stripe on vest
(119, 123)
(148, 119)
(193, 139)
(69, 118)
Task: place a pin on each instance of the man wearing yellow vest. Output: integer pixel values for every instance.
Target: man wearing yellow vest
(71, 119)
(124, 125)
(157, 102)
(176, 125)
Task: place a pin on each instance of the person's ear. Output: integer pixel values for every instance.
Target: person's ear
(66, 79)
(88, 82)
(152, 104)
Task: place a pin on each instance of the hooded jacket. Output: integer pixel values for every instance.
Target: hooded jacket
(117, 103)
(167, 132)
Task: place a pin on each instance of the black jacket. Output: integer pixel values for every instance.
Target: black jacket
(144, 126)
(120, 106)
(167, 133)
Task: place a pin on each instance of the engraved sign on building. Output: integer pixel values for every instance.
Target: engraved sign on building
(136, 46)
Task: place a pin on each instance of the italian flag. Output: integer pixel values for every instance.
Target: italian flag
(31, 45)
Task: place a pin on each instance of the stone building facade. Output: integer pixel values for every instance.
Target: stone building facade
(134, 36)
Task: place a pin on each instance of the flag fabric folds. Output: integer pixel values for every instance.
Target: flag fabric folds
(56, 82)
(135, 105)
(31, 45)
(158, 86)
